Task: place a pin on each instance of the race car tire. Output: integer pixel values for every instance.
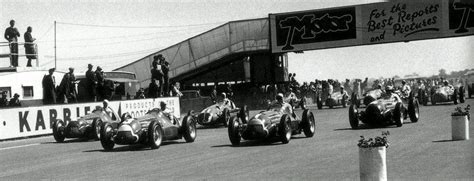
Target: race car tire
(308, 123)
(189, 129)
(398, 114)
(96, 125)
(302, 103)
(433, 100)
(244, 114)
(226, 117)
(58, 131)
(155, 135)
(414, 111)
(284, 129)
(461, 94)
(106, 134)
(319, 103)
(353, 117)
(232, 130)
(455, 96)
(344, 101)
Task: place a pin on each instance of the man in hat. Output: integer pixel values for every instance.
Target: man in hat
(49, 88)
(157, 75)
(68, 87)
(15, 102)
(29, 46)
(99, 74)
(91, 83)
(11, 34)
(165, 67)
(4, 100)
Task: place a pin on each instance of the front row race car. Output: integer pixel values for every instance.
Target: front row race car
(269, 124)
(384, 112)
(218, 113)
(87, 126)
(151, 129)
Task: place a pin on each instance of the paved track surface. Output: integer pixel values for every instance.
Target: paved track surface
(418, 151)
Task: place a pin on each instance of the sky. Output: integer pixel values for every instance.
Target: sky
(131, 29)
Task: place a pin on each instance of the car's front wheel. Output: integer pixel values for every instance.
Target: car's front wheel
(353, 116)
(58, 131)
(233, 131)
(155, 135)
(284, 129)
(398, 114)
(96, 125)
(226, 117)
(106, 134)
(189, 129)
(414, 111)
(309, 125)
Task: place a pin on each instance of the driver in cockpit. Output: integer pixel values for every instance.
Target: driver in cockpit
(167, 112)
(280, 105)
(390, 95)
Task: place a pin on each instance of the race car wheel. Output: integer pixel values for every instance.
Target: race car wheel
(226, 117)
(189, 129)
(461, 94)
(319, 103)
(244, 114)
(106, 134)
(308, 123)
(353, 117)
(96, 124)
(58, 131)
(233, 131)
(284, 129)
(155, 135)
(433, 100)
(344, 101)
(455, 96)
(398, 114)
(414, 111)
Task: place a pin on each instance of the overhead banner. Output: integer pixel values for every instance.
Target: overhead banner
(31, 121)
(395, 21)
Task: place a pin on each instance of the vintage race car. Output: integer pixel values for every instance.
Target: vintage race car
(218, 113)
(384, 112)
(151, 129)
(296, 103)
(87, 126)
(448, 94)
(336, 99)
(367, 98)
(268, 124)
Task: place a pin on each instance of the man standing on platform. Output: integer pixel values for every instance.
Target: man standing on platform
(91, 83)
(165, 67)
(29, 46)
(11, 34)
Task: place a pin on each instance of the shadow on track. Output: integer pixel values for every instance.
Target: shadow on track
(137, 147)
(256, 143)
(77, 140)
(442, 141)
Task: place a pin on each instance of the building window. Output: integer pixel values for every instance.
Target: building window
(27, 91)
(6, 89)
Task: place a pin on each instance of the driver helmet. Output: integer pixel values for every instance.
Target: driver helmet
(105, 103)
(446, 83)
(279, 97)
(404, 82)
(223, 95)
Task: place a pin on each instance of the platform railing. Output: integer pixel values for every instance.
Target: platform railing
(10, 54)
